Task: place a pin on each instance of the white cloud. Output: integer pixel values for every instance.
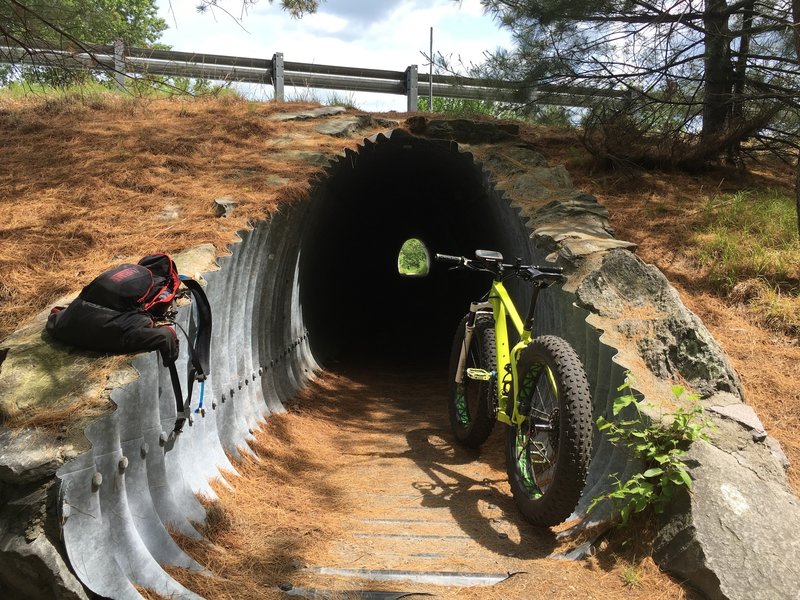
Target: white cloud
(387, 34)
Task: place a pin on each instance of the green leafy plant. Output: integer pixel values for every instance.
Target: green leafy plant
(661, 447)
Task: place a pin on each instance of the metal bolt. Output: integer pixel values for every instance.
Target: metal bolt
(247, 382)
(163, 438)
(254, 376)
(123, 463)
(97, 480)
(66, 510)
(260, 371)
(213, 405)
(144, 449)
(240, 386)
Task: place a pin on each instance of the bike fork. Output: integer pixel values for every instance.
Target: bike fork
(474, 308)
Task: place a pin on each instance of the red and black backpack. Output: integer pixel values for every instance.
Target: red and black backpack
(131, 308)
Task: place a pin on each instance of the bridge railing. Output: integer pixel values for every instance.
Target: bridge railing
(124, 61)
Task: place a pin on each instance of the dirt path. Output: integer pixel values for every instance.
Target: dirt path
(378, 498)
(419, 505)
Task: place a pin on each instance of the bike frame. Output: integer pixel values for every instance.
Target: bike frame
(506, 360)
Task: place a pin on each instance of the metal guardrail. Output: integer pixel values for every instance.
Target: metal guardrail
(124, 60)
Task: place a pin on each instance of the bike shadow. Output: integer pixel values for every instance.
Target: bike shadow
(472, 486)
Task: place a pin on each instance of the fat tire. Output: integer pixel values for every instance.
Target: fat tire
(480, 401)
(574, 433)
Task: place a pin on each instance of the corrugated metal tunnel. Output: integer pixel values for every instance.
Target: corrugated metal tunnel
(315, 283)
(355, 303)
(318, 281)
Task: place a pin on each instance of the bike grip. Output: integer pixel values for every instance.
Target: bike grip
(553, 270)
(447, 259)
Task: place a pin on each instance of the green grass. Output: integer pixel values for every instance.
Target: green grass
(466, 108)
(749, 243)
(631, 576)
(91, 89)
(19, 90)
(750, 235)
(315, 96)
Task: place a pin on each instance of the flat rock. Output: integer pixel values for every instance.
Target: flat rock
(315, 158)
(224, 206)
(737, 538)
(671, 340)
(571, 249)
(512, 159)
(170, 212)
(744, 415)
(30, 565)
(540, 183)
(463, 130)
(314, 113)
(29, 455)
(196, 260)
(344, 126)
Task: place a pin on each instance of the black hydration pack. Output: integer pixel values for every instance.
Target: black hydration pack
(131, 308)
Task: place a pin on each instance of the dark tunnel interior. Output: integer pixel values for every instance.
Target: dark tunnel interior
(355, 303)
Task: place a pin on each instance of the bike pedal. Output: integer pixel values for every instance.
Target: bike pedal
(479, 374)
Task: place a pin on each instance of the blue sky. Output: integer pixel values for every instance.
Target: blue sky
(387, 34)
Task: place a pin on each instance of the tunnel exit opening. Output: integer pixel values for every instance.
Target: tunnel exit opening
(355, 303)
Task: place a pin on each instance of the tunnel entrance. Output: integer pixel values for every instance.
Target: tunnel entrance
(355, 303)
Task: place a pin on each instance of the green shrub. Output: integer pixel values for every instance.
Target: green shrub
(660, 447)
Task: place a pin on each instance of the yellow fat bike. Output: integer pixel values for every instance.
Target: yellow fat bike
(538, 388)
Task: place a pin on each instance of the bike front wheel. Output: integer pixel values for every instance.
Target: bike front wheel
(548, 454)
(471, 403)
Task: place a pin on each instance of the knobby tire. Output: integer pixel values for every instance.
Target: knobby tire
(471, 404)
(547, 464)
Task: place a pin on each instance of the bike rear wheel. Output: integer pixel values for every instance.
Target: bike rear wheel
(547, 456)
(471, 403)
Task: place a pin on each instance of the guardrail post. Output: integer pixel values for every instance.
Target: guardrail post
(277, 75)
(119, 64)
(412, 85)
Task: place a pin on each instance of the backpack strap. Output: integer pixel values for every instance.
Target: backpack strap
(199, 354)
(176, 389)
(201, 349)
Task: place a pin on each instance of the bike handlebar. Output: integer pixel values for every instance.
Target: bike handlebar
(543, 274)
(450, 260)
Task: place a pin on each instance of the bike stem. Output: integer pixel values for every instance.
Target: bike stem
(532, 308)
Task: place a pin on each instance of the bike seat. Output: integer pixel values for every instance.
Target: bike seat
(489, 255)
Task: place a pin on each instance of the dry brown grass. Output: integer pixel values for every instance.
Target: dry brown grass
(82, 186)
(279, 510)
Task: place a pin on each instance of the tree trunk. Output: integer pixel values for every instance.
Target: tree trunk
(796, 27)
(716, 61)
(797, 195)
(740, 74)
